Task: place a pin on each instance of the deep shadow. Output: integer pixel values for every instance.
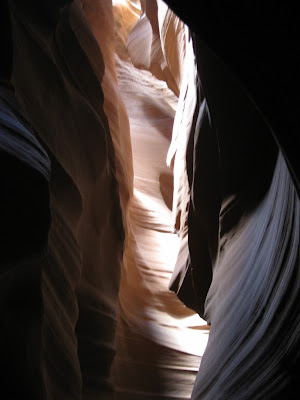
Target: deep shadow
(166, 188)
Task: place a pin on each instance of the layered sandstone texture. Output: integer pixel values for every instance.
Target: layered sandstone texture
(140, 161)
(62, 79)
(110, 207)
(159, 341)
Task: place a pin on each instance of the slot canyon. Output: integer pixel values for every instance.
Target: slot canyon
(150, 214)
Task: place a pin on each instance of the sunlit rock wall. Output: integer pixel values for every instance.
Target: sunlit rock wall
(164, 173)
(146, 44)
(75, 52)
(157, 335)
(236, 209)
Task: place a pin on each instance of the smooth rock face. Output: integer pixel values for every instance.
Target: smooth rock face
(243, 223)
(137, 138)
(252, 297)
(157, 336)
(57, 76)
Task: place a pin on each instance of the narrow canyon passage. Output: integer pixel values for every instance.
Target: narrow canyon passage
(159, 341)
(97, 99)
(145, 148)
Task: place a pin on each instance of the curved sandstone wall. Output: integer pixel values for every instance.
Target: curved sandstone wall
(137, 138)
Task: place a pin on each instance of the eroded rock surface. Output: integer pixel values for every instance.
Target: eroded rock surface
(59, 71)
(171, 166)
(157, 336)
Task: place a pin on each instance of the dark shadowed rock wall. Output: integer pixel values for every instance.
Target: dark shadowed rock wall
(57, 75)
(137, 154)
(243, 221)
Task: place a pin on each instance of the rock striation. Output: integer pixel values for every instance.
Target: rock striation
(59, 74)
(148, 146)
(243, 232)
